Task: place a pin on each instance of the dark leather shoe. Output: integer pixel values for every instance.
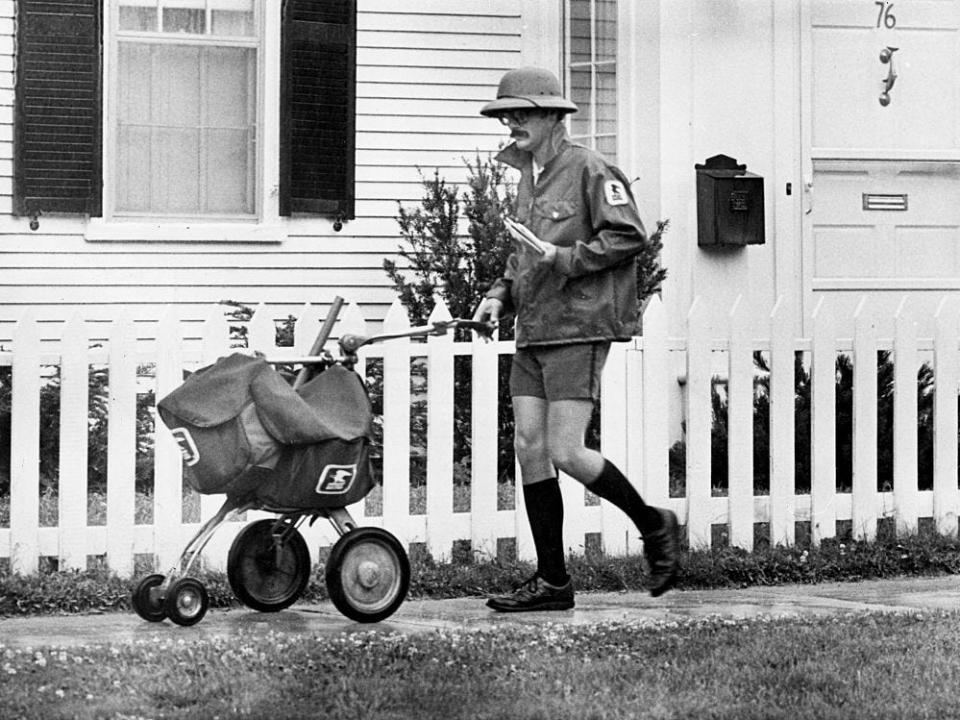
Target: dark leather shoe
(662, 548)
(535, 594)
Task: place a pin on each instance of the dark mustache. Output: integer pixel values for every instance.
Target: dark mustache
(516, 134)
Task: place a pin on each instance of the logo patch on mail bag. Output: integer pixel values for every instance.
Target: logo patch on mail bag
(615, 193)
(336, 479)
(188, 448)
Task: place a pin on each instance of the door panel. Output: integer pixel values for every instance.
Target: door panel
(883, 216)
(848, 75)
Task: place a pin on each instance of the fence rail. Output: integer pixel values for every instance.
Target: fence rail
(639, 386)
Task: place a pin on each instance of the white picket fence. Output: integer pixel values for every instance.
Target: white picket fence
(636, 392)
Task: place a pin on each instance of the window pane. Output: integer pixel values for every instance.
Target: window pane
(606, 33)
(175, 178)
(231, 23)
(175, 81)
(591, 58)
(184, 20)
(186, 140)
(139, 19)
(228, 157)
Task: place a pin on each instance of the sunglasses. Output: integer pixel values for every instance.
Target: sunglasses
(517, 117)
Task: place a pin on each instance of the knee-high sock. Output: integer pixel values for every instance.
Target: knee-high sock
(544, 505)
(612, 486)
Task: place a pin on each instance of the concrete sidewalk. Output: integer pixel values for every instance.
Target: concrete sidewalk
(938, 593)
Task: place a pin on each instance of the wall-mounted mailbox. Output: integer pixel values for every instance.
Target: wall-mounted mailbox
(729, 204)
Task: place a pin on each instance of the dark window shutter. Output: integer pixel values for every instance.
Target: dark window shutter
(58, 89)
(318, 107)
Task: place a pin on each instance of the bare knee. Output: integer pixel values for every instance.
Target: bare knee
(565, 455)
(529, 447)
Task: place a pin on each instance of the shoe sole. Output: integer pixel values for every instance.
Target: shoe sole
(531, 608)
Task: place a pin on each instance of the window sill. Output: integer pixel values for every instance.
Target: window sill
(99, 230)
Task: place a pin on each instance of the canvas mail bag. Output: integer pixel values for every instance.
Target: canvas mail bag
(232, 419)
(335, 471)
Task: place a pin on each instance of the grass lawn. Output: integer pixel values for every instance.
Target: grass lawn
(849, 666)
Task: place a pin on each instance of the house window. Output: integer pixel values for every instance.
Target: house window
(185, 108)
(591, 61)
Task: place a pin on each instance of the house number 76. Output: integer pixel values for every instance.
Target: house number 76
(884, 16)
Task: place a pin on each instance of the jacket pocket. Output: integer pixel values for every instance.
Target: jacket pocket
(555, 210)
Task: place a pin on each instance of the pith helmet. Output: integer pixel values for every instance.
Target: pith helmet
(525, 88)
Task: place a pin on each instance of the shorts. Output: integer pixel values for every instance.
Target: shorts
(559, 372)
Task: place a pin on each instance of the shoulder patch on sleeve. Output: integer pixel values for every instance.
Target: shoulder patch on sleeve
(615, 193)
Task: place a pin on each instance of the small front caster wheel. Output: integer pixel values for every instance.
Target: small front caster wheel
(147, 600)
(186, 602)
(367, 574)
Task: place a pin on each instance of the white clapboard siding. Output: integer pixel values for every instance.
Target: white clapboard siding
(424, 70)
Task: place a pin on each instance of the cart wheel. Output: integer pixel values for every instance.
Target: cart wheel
(147, 600)
(186, 602)
(367, 574)
(265, 574)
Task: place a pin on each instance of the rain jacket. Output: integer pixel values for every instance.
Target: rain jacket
(584, 206)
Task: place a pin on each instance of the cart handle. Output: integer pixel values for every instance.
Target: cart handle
(306, 371)
(349, 343)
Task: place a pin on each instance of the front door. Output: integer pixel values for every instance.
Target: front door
(882, 142)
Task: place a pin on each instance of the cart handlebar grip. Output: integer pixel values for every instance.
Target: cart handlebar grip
(350, 343)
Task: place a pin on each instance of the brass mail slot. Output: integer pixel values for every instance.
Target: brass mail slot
(884, 201)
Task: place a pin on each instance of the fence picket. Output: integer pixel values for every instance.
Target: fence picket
(215, 344)
(441, 523)
(483, 452)
(619, 389)
(305, 329)
(946, 499)
(782, 425)
(351, 321)
(823, 427)
(698, 434)
(261, 330)
(168, 468)
(906, 365)
(740, 428)
(25, 446)
(654, 379)
(74, 409)
(121, 439)
(864, 451)
(396, 423)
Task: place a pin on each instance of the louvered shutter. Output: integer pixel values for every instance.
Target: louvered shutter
(317, 106)
(58, 90)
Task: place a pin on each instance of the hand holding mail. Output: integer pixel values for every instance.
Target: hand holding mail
(528, 241)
